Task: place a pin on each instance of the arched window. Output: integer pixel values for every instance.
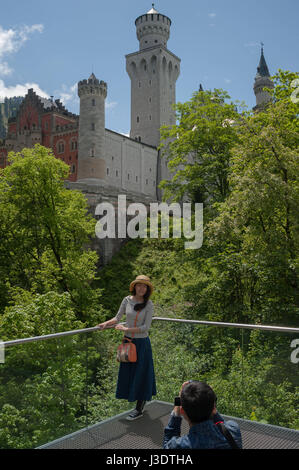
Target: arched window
(60, 146)
(74, 144)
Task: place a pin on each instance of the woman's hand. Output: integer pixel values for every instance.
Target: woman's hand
(121, 328)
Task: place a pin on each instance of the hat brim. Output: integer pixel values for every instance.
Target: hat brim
(141, 281)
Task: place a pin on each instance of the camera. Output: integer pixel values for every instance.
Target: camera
(177, 401)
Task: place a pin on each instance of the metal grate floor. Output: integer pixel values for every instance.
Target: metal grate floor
(147, 433)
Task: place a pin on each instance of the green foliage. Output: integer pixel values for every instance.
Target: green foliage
(198, 149)
(44, 230)
(245, 170)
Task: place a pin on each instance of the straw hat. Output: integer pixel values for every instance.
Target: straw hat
(142, 280)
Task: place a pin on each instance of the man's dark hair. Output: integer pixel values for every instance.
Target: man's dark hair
(198, 400)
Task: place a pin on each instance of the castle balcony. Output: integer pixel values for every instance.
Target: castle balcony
(57, 391)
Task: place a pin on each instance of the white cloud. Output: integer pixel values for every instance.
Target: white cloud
(5, 69)
(68, 94)
(20, 90)
(11, 40)
(227, 80)
(212, 15)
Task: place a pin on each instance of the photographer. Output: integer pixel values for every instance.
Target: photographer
(197, 404)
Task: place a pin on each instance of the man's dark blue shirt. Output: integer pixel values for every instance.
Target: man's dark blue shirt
(204, 435)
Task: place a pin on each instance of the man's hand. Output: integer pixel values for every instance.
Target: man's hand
(177, 409)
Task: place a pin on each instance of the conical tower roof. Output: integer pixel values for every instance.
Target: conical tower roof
(153, 10)
(262, 69)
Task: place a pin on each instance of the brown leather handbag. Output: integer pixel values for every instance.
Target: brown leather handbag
(126, 351)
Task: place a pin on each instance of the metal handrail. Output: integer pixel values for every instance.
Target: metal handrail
(283, 329)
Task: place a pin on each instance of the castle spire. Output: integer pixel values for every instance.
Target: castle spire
(261, 82)
(262, 69)
(153, 10)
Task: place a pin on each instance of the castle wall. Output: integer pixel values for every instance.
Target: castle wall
(130, 165)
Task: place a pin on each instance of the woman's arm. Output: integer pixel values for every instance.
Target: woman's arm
(116, 319)
(107, 323)
(128, 330)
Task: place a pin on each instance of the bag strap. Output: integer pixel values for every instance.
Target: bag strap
(135, 322)
(220, 425)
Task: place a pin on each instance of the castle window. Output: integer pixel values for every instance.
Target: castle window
(93, 126)
(73, 145)
(116, 173)
(107, 171)
(60, 147)
(136, 179)
(73, 168)
(139, 139)
(150, 82)
(146, 181)
(137, 118)
(93, 102)
(128, 176)
(150, 117)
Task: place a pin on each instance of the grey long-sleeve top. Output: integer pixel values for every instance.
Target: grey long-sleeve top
(144, 319)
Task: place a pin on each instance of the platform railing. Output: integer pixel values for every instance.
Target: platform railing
(252, 368)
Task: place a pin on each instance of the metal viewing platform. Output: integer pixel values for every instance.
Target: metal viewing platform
(147, 432)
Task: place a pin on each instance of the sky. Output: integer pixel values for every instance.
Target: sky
(50, 46)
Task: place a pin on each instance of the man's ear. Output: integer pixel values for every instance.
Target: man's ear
(214, 410)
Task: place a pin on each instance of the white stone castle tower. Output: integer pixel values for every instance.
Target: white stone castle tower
(91, 154)
(153, 71)
(262, 80)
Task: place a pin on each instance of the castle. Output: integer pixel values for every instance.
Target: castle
(104, 163)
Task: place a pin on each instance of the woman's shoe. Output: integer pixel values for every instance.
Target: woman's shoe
(134, 415)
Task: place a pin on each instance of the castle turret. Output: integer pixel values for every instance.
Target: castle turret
(262, 80)
(153, 71)
(91, 158)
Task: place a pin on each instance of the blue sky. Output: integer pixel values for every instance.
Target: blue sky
(52, 45)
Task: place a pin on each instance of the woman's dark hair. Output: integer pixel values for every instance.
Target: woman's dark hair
(145, 299)
(198, 400)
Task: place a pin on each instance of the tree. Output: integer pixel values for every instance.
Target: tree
(43, 383)
(198, 148)
(258, 223)
(44, 230)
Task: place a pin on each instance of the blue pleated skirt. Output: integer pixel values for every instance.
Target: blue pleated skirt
(136, 380)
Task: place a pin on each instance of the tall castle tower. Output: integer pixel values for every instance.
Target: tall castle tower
(153, 71)
(91, 155)
(262, 80)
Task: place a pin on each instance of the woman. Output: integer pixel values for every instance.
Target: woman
(136, 380)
